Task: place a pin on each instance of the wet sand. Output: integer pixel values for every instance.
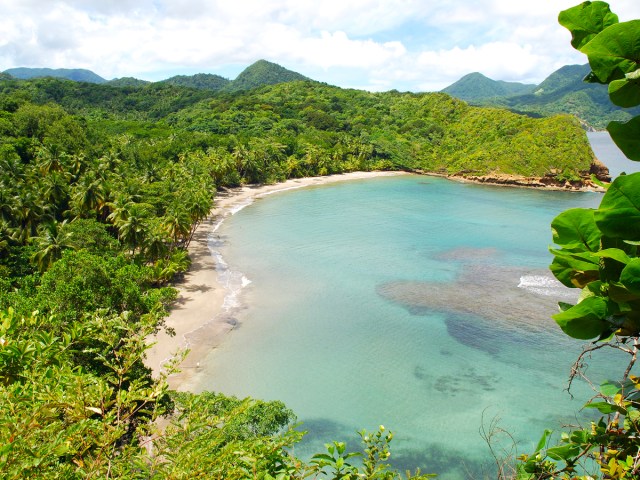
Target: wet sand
(198, 318)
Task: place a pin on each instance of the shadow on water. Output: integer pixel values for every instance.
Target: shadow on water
(446, 463)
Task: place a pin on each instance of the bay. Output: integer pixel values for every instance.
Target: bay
(414, 302)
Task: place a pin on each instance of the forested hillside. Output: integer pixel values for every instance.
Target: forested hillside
(562, 92)
(476, 87)
(255, 75)
(101, 189)
(75, 74)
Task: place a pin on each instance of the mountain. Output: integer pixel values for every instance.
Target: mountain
(76, 74)
(476, 87)
(201, 81)
(256, 75)
(569, 77)
(262, 73)
(564, 91)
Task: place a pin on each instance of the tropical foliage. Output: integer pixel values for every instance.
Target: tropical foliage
(599, 254)
(101, 189)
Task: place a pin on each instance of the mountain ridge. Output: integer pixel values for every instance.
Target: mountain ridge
(476, 86)
(258, 74)
(562, 92)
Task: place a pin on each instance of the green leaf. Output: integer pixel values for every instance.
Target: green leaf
(609, 389)
(564, 452)
(626, 136)
(585, 320)
(573, 270)
(620, 294)
(626, 91)
(619, 212)
(580, 436)
(614, 51)
(630, 276)
(543, 440)
(614, 254)
(605, 408)
(576, 229)
(585, 21)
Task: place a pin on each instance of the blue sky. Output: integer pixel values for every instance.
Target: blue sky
(417, 45)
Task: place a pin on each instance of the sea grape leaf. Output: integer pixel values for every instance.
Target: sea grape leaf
(585, 21)
(614, 51)
(626, 136)
(573, 271)
(585, 320)
(614, 254)
(576, 229)
(620, 294)
(626, 91)
(619, 213)
(630, 276)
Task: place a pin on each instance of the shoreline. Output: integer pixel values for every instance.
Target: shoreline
(198, 316)
(514, 181)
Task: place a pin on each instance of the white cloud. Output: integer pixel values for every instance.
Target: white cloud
(382, 43)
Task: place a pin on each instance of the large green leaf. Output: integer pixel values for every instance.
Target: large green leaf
(626, 92)
(585, 21)
(614, 254)
(585, 320)
(614, 51)
(574, 270)
(576, 229)
(626, 136)
(630, 276)
(619, 213)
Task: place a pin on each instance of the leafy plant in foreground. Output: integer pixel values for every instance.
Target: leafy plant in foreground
(599, 253)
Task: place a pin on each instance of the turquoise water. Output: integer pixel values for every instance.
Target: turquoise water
(610, 154)
(414, 302)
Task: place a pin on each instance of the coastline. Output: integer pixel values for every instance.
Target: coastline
(198, 316)
(517, 181)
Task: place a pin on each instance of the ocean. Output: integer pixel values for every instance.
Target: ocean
(414, 302)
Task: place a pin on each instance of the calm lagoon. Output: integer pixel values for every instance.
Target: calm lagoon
(414, 302)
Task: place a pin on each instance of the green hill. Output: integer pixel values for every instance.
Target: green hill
(76, 74)
(127, 82)
(562, 92)
(202, 81)
(262, 73)
(101, 189)
(476, 87)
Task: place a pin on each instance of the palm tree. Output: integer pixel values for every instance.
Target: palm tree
(88, 197)
(27, 212)
(51, 242)
(134, 226)
(54, 191)
(177, 224)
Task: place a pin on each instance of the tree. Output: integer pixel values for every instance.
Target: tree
(599, 253)
(51, 242)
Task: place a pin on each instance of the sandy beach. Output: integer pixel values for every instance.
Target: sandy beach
(198, 318)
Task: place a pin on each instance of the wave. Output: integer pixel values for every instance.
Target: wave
(545, 285)
(231, 280)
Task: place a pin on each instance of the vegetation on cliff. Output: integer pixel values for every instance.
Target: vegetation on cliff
(101, 188)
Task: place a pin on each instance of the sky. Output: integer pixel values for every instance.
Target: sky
(376, 45)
